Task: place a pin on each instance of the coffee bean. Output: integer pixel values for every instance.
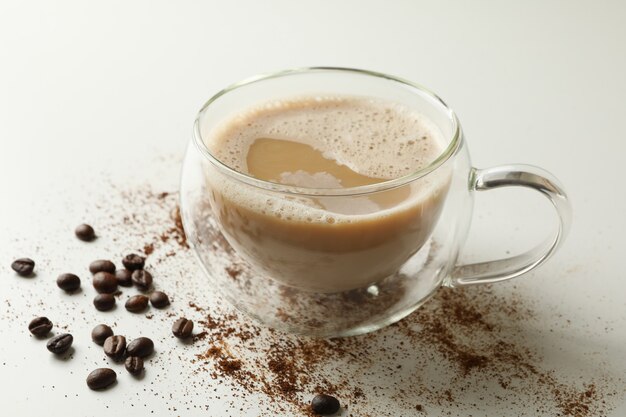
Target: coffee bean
(142, 279)
(104, 282)
(100, 333)
(102, 265)
(325, 405)
(68, 282)
(136, 303)
(23, 266)
(134, 365)
(101, 378)
(182, 328)
(60, 344)
(159, 299)
(133, 262)
(85, 232)
(104, 302)
(142, 347)
(123, 277)
(115, 347)
(40, 326)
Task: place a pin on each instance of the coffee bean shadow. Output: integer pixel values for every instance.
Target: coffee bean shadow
(112, 362)
(107, 388)
(30, 276)
(139, 377)
(110, 310)
(138, 313)
(150, 356)
(77, 291)
(187, 341)
(66, 356)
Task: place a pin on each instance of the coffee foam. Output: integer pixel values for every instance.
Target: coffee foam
(373, 137)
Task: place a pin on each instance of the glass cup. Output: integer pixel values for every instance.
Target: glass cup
(327, 278)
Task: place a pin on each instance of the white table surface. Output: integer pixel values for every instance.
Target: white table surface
(98, 97)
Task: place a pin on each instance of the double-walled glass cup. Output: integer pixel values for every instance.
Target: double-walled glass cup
(377, 252)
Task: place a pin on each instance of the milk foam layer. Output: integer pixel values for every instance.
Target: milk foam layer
(371, 136)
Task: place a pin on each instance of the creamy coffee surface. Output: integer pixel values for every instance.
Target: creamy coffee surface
(327, 243)
(373, 137)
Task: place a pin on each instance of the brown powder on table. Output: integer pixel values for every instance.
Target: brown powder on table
(473, 352)
(464, 348)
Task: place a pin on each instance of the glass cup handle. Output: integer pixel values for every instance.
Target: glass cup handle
(520, 176)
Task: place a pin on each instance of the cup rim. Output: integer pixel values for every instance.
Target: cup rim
(329, 192)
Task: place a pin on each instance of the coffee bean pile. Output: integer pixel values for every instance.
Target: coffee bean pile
(115, 347)
(106, 279)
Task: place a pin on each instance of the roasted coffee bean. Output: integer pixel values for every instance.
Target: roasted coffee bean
(123, 277)
(115, 347)
(142, 347)
(182, 328)
(133, 262)
(134, 365)
(159, 299)
(68, 282)
(40, 326)
(100, 333)
(23, 266)
(104, 282)
(85, 232)
(104, 302)
(136, 303)
(60, 344)
(142, 279)
(101, 378)
(325, 405)
(102, 265)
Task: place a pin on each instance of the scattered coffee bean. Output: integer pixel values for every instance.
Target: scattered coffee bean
(60, 344)
(142, 279)
(136, 303)
(324, 405)
(101, 378)
(115, 347)
(23, 266)
(182, 328)
(142, 347)
(85, 232)
(123, 277)
(100, 333)
(104, 282)
(134, 365)
(40, 326)
(159, 299)
(68, 282)
(104, 302)
(133, 262)
(102, 265)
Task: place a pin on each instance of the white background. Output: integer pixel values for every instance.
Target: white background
(105, 88)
